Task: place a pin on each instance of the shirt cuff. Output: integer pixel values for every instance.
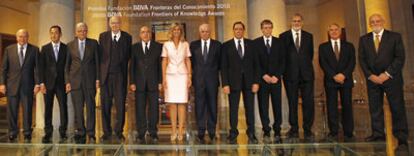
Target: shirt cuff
(388, 74)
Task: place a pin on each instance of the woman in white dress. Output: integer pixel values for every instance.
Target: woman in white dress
(176, 72)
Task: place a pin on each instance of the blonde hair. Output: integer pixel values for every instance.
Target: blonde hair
(170, 32)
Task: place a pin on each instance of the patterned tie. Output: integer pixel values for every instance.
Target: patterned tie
(115, 41)
(239, 49)
(205, 51)
(82, 49)
(297, 42)
(336, 50)
(21, 55)
(377, 42)
(56, 50)
(268, 46)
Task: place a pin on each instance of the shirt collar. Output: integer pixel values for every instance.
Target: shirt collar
(294, 31)
(143, 43)
(337, 40)
(118, 35)
(56, 44)
(24, 46)
(380, 33)
(237, 40)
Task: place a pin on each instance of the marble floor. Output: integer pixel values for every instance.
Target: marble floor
(320, 146)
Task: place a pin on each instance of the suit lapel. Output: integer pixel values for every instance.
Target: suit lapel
(210, 51)
(384, 39)
(28, 53)
(370, 44)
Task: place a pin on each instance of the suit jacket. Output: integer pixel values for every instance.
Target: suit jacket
(52, 72)
(299, 65)
(105, 43)
(272, 64)
(331, 66)
(146, 68)
(390, 57)
(17, 77)
(85, 70)
(233, 67)
(205, 72)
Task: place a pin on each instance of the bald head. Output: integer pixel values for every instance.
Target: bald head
(376, 22)
(115, 23)
(81, 30)
(204, 30)
(22, 36)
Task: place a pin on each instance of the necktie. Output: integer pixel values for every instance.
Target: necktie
(146, 48)
(239, 49)
(205, 52)
(268, 46)
(115, 41)
(21, 55)
(377, 42)
(297, 44)
(82, 49)
(56, 50)
(336, 50)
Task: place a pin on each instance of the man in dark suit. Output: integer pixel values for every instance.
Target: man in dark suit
(272, 65)
(240, 74)
(205, 61)
(115, 51)
(337, 60)
(19, 80)
(299, 76)
(146, 79)
(82, 80)
(381, 56)
(53, 60)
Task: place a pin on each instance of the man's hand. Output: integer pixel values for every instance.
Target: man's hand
(274, 80)
(43, 88)
(68, 88)
(267, 78)
(97, 84)
(339, 78)
(189, 82)
(3, 89)
(375, 79)
(36, 89)
(255, 88)
(383, 77)
(226, 89)
(160, 87)
(132, 87)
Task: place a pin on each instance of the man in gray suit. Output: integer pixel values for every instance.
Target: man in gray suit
(81, 79)
(19, 80)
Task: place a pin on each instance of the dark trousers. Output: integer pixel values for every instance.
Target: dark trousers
(13, 111)
(306, 91)
(274, 91)
(80, 97)
(332, 108)
(146, 111)
(395, 95)
(248, 100)
(61, 96)
(206, 108)
(113, 88)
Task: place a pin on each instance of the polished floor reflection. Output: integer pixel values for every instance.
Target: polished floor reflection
(319, 146)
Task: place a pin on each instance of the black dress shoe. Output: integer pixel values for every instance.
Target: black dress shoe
(92, 139)
(12, 137)
(252, 139)
(349, 138)
(140, 139)
(120, 137)
(375, 138)
(292, 134)
(105, 137)
(212, 136)
(232, 139)
(332, 136)
(27, 138)
(277, 139)
(154, 138)
(46, 138)
(63, 136)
